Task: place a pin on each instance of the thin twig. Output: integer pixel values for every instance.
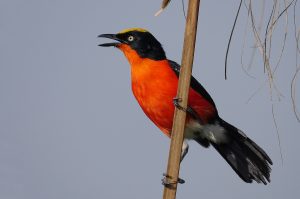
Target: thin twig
(277, 132)
(293, 94)
(259, 28)
(243, 48)
(164, 4)
(229, 42)
(294, 79)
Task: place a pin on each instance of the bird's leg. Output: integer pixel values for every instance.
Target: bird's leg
(167, 180)
(184, 150)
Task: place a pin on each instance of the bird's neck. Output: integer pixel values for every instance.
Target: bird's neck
(146, 70)
(131, 55)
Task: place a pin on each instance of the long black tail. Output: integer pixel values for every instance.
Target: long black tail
(246, 158)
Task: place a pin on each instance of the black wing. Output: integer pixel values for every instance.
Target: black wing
(194, 83)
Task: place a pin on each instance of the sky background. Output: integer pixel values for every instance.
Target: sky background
(71, 128)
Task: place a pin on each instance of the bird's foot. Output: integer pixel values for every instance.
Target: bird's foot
(176, 101)
(167, 181)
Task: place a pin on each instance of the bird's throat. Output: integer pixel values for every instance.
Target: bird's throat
(131, 55)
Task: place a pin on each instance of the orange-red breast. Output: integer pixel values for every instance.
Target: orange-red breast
(154, 81)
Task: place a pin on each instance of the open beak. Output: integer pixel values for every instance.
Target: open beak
(110, 36)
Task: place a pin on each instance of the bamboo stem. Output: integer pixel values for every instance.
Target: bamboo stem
(182, 94)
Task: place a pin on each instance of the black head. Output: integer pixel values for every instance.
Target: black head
(142, 41)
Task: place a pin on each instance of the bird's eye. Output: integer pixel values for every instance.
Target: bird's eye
(130, 38)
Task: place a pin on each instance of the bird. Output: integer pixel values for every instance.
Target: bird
(154, 82)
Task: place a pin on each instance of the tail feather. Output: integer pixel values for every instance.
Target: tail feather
(245, 157)
(239, 135)
(245, 162)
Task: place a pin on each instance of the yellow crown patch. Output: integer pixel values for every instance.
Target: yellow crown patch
(132, 29)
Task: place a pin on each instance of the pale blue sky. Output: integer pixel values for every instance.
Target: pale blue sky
(70, 127)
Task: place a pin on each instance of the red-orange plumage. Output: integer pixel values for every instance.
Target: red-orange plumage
(154, 84)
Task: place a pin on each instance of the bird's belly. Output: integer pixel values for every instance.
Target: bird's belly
(157, 104)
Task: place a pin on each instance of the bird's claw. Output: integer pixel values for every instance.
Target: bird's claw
(167, 181)
(176, 101)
